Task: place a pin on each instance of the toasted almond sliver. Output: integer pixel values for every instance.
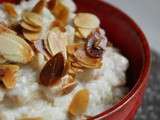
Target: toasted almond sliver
(38, 61)
(79, 103)
(85, 32)
(29, 27)
(59, 10)
(4, 28)
(31, 36)
(56, 43)
(86, 20)
(69, 86)
(85, 60)
(73, 47)
(76, 65)
(38, 8)
(39, 45)
(9, 8)
(15, 49)
(52, 72)
(32, 19)
(9, 77)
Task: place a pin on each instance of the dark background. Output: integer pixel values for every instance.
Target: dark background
(150, 109)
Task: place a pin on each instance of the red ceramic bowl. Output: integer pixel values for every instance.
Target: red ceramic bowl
(125, 35)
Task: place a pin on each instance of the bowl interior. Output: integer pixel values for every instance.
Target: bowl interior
(121, 33)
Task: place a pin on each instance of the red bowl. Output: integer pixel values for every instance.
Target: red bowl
(127, 36)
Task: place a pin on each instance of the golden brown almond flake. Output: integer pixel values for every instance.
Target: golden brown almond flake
(79, 103)
(4, 28)
(39, 7)
(15, 49)
(40, 47)
(84, 32)
(52, 72)
(69, 86)
(31, 36)
(59, 10)
(73, 47)
(32, 19)
(59, 24)
(55, 43)
(29, 27)
(86, 20)
(9, 75)
(9, 8)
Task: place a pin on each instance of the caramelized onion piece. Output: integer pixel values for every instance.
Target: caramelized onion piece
(96, 44)
(52, 71)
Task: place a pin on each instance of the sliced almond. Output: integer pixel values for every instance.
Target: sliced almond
(4, 28)
(79, 103)
(69, 86)
(31, 36)
(9, 75)
(52, 71)
(87, 61)
(72, 48)
(9, 8)
(85, 32)
(39, 45)
(38, 61)
(59, 10)
(38, 8)
(76, 65)
(32, 19)
(86, 20)
(15, 49)
(29, 27)
(56, 43)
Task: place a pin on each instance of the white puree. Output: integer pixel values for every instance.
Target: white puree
(106, 86)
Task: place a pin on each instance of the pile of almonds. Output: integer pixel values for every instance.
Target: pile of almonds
(55, 58)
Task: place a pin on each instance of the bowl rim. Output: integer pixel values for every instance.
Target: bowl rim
(144, 72)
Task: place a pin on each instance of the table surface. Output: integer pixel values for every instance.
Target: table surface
(150, 109)
(146, 13)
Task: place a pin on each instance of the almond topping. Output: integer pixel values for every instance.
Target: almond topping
(86, 20)
(52, 71)
(55, 43)
(69, 86)
(73, 47)
(29, 27)
(31, 36)
(8, 78)
(32, 19)
(79, 103)
(4, 28)
(38, 8)
(9, 8)
(59, 10)
(15, 49)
